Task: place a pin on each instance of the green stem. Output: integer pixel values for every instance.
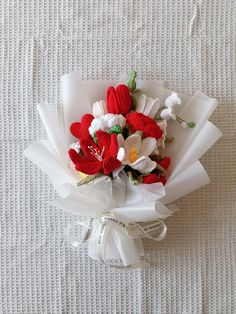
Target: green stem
(89, 179)
(132, 179)
(157, 116)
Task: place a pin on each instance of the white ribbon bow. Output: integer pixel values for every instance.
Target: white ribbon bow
(127, 237)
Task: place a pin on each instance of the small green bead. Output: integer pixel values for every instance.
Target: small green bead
(191, 124)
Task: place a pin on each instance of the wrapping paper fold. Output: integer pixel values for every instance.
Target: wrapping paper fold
(125, 201)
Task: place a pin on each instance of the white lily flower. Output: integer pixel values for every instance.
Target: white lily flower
(148, 106)
(104, 123)
(170, 103)
(134, 152)
(99, 108)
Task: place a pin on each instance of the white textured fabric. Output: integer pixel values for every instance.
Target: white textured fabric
(193, 270)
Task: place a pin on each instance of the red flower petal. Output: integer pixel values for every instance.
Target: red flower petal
(113, 146)
(80, 129)
(75, 129)
(84, 164)
(165, 162)
(112, 101)
(153, 131)
(88, 167)
(124, 99)
(110, 164)
(139, 122)
(87, 146)
(104, 140)
(74, 156)
(119, 100)
(87, 119)
(162, 180)
(151, 178)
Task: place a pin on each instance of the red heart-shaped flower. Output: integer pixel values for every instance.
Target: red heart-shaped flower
(80, 129)
(119, 100)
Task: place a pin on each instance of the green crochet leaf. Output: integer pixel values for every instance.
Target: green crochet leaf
(132, 81)
(115, 129)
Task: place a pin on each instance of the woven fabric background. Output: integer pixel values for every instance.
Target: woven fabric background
(193, 270)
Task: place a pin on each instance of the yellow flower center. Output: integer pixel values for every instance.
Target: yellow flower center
(133, 154)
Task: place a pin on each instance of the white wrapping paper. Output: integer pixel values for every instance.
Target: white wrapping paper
(126, 202)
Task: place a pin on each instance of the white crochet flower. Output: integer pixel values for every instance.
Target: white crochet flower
(148, 106)
(134, 152)
(104, 123)
(99, 108)
(170, 102)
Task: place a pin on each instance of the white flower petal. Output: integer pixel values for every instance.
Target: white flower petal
(172, 100)
(152, 107)
(75, 146)
(112, 122)
(151, 165)
(121, 154)
(133, 141)
(97, 124)
(117, 120)
(107, 117)
(166, 114)
(147, 106)
(106, 122)
(99, 108)
(143, 165)
(122, 120)
(148, 145)
(140, 106)
(120, 140)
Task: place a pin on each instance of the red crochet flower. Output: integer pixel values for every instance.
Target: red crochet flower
(80, 129)
(150, 178)
(139, 122)
(118, 100)
(165, 162)
(153, 178)
(101, 157)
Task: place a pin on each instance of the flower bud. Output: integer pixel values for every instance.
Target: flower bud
(172, 100)
(166, 114)
(99, 108)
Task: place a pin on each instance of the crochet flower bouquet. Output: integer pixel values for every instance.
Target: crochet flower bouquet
(120, 155)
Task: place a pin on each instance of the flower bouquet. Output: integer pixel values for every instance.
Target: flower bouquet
(120, 155)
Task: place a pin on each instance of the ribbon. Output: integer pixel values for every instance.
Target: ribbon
(126, 235)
